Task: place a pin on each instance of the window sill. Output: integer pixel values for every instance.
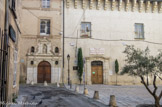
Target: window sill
(14, 86)
(85, 36)
(44, 35)
(46, 9)
(139, 38)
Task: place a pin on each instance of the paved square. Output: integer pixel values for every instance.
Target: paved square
(126, 96)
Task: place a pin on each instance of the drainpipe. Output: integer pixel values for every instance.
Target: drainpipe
(6, 40)
(6, 17)
(63, 41)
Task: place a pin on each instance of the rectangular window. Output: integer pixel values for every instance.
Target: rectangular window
(85, 29)
(139, 31)
(15, 68)
(45, 27)
(45, 3)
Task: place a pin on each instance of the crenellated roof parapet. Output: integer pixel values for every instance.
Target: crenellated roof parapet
(147, 6)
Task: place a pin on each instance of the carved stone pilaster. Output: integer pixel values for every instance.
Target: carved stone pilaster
(140, 5)
(154, 6)
(160, 7)
(106, 4)
(75, 4)
(112, 4)
(147, 6)
(91, 4)
(120, 4)
(67, 3)
(134, 3)
(98, 4)
(127, 5)
(83, 4)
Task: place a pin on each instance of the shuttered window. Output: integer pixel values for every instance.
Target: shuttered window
(139, 31)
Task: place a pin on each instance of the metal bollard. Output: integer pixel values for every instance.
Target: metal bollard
(85, 91)
(96, 95)
(112, 102)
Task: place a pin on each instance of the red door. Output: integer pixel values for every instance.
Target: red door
(44, 72)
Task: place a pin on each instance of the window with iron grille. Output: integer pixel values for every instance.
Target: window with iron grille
(15, 68)
(45, 27)
(85, 29)
(45, 3)
(139, 31)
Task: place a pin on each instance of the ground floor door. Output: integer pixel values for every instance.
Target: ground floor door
(44, 72)
(97, 72)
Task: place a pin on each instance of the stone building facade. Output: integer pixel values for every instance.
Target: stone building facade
(102, 28)
(40, 57)
(13, 32)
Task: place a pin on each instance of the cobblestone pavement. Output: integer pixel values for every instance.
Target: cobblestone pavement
(51, 96)
(126, 96)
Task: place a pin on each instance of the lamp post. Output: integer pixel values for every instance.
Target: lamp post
(68, 58)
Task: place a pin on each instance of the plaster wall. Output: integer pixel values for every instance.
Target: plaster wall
(110, 30)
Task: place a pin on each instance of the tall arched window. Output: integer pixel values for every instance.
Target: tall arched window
(56, 50)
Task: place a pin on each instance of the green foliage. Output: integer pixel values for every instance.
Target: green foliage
(140, 62)
(116, 66)
(80, 64)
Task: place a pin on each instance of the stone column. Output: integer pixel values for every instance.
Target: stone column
(106, 71)
(88, 72)
(35, 74)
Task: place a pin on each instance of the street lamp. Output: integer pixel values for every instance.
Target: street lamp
(68, 58)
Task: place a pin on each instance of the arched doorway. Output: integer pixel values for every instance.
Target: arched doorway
(44, 72)
(97, 72)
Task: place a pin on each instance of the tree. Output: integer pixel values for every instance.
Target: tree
(140, 63)
(116, 69)
(80, 64)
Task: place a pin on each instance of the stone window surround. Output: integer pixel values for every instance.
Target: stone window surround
(39, 22)
(83, 22)
(139, 36)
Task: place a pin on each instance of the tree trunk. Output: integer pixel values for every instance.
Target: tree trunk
(116, 79)
(80, 81)
(157, 102)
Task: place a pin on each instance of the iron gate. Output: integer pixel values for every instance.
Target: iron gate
(3, 67)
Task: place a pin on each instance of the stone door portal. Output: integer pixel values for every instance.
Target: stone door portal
(44, 72)
(97, 72)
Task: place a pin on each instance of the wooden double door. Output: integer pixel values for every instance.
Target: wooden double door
(97, 72)
(44, 72)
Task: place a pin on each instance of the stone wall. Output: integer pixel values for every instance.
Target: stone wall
(32, 13)
(111, 31)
